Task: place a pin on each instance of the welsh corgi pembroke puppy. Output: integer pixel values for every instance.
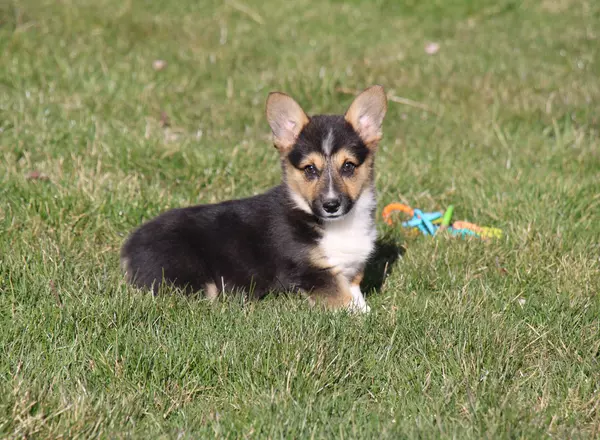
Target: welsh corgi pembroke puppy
(312, 234)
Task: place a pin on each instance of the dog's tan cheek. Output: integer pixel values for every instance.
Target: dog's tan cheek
(298, 183)
(353, 187)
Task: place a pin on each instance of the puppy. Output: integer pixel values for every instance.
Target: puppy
(312, 234)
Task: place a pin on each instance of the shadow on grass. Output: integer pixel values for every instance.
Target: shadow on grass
(381, 264)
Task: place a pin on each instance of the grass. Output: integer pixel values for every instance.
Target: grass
(467, 339)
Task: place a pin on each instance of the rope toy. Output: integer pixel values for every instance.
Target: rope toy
(429, 223)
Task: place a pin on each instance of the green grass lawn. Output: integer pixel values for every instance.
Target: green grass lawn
(466, 339)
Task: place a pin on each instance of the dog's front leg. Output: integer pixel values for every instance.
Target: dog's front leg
(339, 293)
(358, 303)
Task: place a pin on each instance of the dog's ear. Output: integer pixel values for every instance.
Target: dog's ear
(366, 114)
(286, 118)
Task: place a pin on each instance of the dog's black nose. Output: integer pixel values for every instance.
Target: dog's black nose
(331, 205)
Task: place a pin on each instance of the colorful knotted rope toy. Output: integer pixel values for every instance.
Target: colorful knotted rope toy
(429, 223)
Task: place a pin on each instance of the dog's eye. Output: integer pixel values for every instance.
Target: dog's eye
(348, 168)
(311, 171)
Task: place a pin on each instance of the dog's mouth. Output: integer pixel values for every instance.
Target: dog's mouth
(339, 213)
(332, 216)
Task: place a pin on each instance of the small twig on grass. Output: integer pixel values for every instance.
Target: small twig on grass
(410, 102)
(55, 293)
(393, 98)
(385, 269)
(164, 119)
(245, 10)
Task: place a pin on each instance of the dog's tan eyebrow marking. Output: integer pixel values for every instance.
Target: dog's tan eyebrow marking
(342, 156)
(315, 159)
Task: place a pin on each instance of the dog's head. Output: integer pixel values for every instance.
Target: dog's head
(327, 160)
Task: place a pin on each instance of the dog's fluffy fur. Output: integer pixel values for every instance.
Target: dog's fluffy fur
(313, 233)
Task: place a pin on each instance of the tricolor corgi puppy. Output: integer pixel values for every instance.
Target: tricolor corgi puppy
(312, 234)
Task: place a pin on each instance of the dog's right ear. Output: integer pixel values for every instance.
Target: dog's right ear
(286, 118)
(366, 114)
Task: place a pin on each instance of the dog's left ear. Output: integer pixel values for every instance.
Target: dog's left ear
(286, 118)
(366, 114)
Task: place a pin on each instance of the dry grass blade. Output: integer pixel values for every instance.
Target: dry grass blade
(393, 98)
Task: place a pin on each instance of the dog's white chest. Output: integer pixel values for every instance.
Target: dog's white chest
(348, 242)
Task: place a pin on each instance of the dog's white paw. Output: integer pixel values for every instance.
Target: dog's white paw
(358, 303)
(356, 307)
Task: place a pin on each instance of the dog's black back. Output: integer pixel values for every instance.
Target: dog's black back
(259, 243)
